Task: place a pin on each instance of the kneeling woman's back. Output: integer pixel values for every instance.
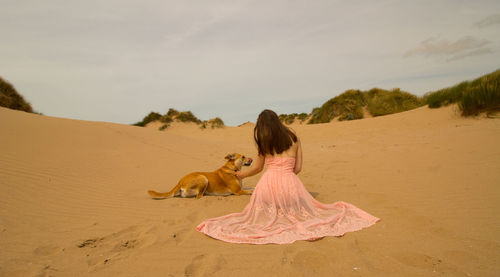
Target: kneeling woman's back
(273, 139)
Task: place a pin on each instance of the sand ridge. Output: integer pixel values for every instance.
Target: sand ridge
(74, 198)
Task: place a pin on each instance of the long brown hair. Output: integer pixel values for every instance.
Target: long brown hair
(271, 136)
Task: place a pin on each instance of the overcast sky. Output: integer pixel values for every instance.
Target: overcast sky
(117, 60)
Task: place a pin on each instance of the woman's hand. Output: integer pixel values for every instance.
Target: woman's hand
(257, 167)
(239, 175)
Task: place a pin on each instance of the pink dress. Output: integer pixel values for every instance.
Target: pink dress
(282, 211)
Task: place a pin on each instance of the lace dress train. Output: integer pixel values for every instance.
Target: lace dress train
(282, 211)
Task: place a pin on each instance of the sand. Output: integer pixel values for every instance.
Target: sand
(74, 202)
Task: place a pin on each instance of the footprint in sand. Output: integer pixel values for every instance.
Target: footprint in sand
(44, 251)
(48, 271)
(193, 269)
(47, 250)
(90, 243)
(205, 265)
(127, 244)
(104, 250)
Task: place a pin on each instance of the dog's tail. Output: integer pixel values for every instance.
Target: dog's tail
(160, 195)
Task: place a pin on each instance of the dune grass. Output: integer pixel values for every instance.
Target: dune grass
(383, 102)
(216, 122)
(152, 116)
(166, 119)
(349, 105)
(174, 115)
(10, 98)
(472, 97)
(290, 118)
(187, 116)
(446, 96)
(482, 95)
(172, 112)
(346, 106)
(213, 123)
(164, 126)
(169, 117)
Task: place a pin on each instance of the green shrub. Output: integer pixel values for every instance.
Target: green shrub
(290, 118)
(302, 116)
(353, 111)
(287, 118)
(446, 96)
(11, 99)
(166, 119)
(347, 105)
(479, 95)
(172, 112)
(216, 123)
(383, 102)
(482, 95)
(152, 116)
(282, 117)
(164, 126)
(187, 117)
(169, 117)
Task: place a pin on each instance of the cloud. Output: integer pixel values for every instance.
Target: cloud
(76, 58)
(490, 20)
(459, 49)
(478, 52)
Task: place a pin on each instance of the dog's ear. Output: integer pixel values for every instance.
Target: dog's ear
(229, 157)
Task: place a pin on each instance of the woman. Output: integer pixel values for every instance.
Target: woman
(281, 210)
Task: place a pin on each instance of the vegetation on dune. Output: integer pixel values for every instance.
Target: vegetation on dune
(290, 118)
(174, 115)
(172, 112)
(382, 102)
(472, 97)
(187, 116)
(446, 96)
(10, 98)
(152, 116)
(216, 122)
(349, 105)
(213, 123)
(346, 106)
(164, 126)
(166, 119)
(353, 102)
(483, 96)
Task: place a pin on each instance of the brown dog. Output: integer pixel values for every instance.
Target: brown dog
(220, 182)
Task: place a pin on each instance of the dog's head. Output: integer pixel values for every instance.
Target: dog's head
(238, 160)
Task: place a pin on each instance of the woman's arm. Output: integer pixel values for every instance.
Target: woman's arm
(298, 158)
(256, 168)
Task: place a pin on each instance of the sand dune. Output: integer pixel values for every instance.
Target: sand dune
(74, 199)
